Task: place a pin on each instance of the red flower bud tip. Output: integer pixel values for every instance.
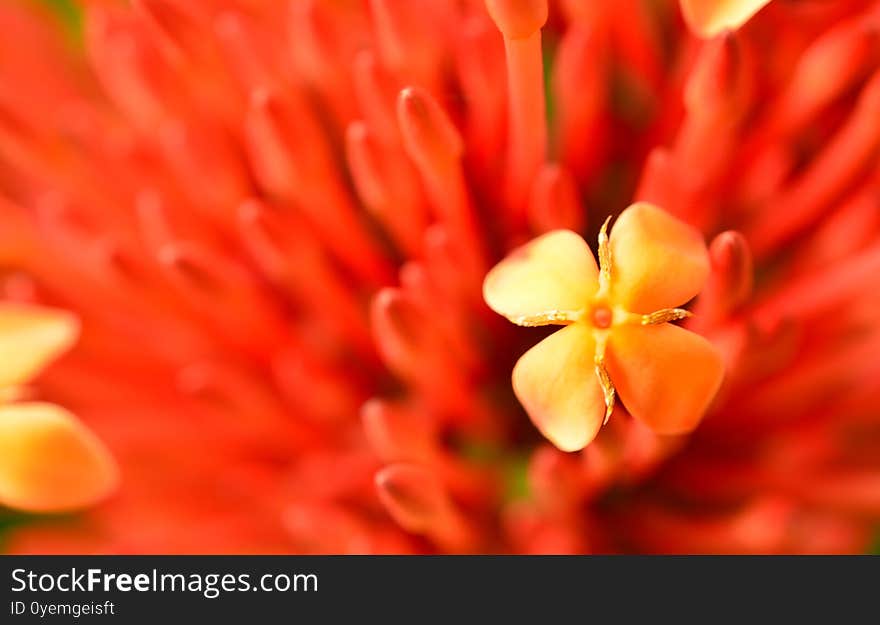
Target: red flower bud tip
(436, 147)
(404, 39)
(171, 26)
(234, 390)
(430, 137)
(555, 203)
(398, 434)
(556, 478)
(275, 168)
(244, 50)
(848, 491)
(518, 19)
(395, 325)
(387, 186)
(376, 93)
(303, 172)
(819, 293)
(719, 83)
(320, 528)
(417, 500)
(191, 267)
(131, 71)
(327, 36)
(262, 238)
(831, 66)
(479, 62)
(731, 278)
(842, 160)
(207, 164)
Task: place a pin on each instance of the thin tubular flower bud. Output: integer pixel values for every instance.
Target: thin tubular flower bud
(403, 39)
(825, 71)
(436, 147)
(306, 177)
(398, 434)
(480, 65)
(388, 187)
(842, 160)
(579, 75)
(555, 203)
(376, 93)
(416, 500)
(730, 282)
(520, 21)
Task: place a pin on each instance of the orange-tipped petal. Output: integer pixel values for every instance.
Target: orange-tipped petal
(556, 383)
(708, 18)
(658, 261)
(665, 375)
(30, 338)
(49, 461)
(556, 271)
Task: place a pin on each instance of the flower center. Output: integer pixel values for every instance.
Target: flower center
(601, 317)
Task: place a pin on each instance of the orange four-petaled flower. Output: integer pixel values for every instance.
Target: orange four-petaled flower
(618, 338)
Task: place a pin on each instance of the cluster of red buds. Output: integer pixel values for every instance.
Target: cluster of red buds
(282, 232)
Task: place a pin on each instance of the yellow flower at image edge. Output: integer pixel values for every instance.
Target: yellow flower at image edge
(618, 338)
(49, 461)
(709, 18)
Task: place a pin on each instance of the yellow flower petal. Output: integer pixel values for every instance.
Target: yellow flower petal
(708, 18)
(30, 338)
(657, 260)
(665, 375)
(556, 271)
(556, 383)
(49, 461)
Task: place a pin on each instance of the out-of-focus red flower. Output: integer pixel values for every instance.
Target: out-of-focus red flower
(273, 221)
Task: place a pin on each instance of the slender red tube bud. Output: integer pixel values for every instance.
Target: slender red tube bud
(520, 21)
(436, 147)
(293, 161)
(398, 434)
(480, 63)
(298, 265)
(580, 73)
(431, 138)
(417, 500)
(244, 50)
(387, 185)
(376, 94)
(828, 68)
(719, 83)
(208, 164)
(406, 41)
(842, 160)
(730, 283)
(555, 202)
(130, 70)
